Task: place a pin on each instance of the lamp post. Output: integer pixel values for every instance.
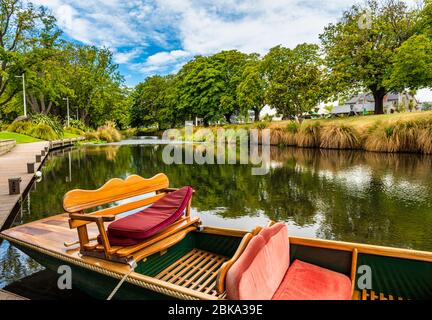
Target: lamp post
(67, 106)
(24, 93)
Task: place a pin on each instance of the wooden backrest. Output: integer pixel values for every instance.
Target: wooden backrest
(114, 190)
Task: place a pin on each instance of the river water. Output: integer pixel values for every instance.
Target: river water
(375, 198)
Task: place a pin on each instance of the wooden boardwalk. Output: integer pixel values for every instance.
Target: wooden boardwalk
(14, 164)
(5, 295)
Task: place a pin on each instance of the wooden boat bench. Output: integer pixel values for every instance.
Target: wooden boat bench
(77, 202)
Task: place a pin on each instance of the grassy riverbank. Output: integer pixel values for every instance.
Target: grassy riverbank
(19, 138)
(403, 132)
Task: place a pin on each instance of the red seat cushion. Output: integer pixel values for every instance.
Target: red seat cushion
(258, 272)
(305, 281)
(146, 223)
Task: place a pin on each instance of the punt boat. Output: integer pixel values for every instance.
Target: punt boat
(149, 247)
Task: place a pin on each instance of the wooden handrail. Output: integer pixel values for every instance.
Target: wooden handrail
(221, 278)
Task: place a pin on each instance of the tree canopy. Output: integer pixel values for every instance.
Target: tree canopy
(379, 47)
(360, 49)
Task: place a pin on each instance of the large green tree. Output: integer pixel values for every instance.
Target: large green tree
(252, 90)
(296, 79)
(360, 49)
(27, 34)
(96, 84)
(148, 102)
(413, 60)
(207, 86)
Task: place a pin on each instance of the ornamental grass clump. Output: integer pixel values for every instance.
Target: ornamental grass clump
(381, 139)
(22, 127)
(53, 122)
(91, 136)
(339, 136)
(405, 136)
(43, 132)
(425, 140)
(109, 133)
(308, 135)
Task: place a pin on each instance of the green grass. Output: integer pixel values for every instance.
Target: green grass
(19, 138)
(68, 135)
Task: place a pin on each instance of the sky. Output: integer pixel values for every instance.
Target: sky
(160, 36)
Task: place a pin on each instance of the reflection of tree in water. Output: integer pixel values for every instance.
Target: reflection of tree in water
(347, 194)
(15, 265)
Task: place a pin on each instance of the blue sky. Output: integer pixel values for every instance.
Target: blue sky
(159, 36)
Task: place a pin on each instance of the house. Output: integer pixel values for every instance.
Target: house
(365, 103)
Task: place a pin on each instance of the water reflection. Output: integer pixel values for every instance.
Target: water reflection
(354, 196)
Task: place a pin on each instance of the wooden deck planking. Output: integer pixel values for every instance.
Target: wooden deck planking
(14, 164)
(49, 235)
(5, 295)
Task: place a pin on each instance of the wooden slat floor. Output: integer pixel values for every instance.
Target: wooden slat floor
(13, 164)
(197, 270)
(5, 295)
(374, 296)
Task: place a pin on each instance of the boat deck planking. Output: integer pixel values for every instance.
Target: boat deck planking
(48, 235)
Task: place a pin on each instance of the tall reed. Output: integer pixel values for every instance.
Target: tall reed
(339, 136)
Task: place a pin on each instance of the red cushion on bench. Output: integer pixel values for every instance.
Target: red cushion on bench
(305, 281)
(146, 223)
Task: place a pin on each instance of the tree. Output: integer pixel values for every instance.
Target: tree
(295, 77)
(207, 86)
(26, 35)
(361, 48)
(95, 81)
(251, 91)
(148, 102)
(47, 83)
(412, 64)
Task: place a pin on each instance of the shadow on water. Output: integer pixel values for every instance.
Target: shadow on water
(383, 199)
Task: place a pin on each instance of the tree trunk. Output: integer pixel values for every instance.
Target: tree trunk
(379, 101)
(228, 117)
(256, 114)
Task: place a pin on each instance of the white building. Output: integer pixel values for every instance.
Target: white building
(363, 103)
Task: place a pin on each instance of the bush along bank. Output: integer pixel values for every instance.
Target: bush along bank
(379, 136)
(50, 128)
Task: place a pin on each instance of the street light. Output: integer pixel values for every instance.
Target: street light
(67, 106)
(24, 94)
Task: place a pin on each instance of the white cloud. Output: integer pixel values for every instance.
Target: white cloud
(178, 30)
(126, 57)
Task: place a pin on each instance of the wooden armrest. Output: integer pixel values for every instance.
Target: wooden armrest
(220, 281)
(88, 217)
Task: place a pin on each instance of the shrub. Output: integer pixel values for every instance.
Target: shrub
(44, 132)
(104, 135)
(381, 139)
(127, 133)
(309, 135)
(22, 127)
(339, 137)
(261, 125)
(53, 122)
(405, 136)
(280, 136)
(74, 131)
(91, 135)
(292, 127)
(109, 133)
(78, 124)
(425, 140)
